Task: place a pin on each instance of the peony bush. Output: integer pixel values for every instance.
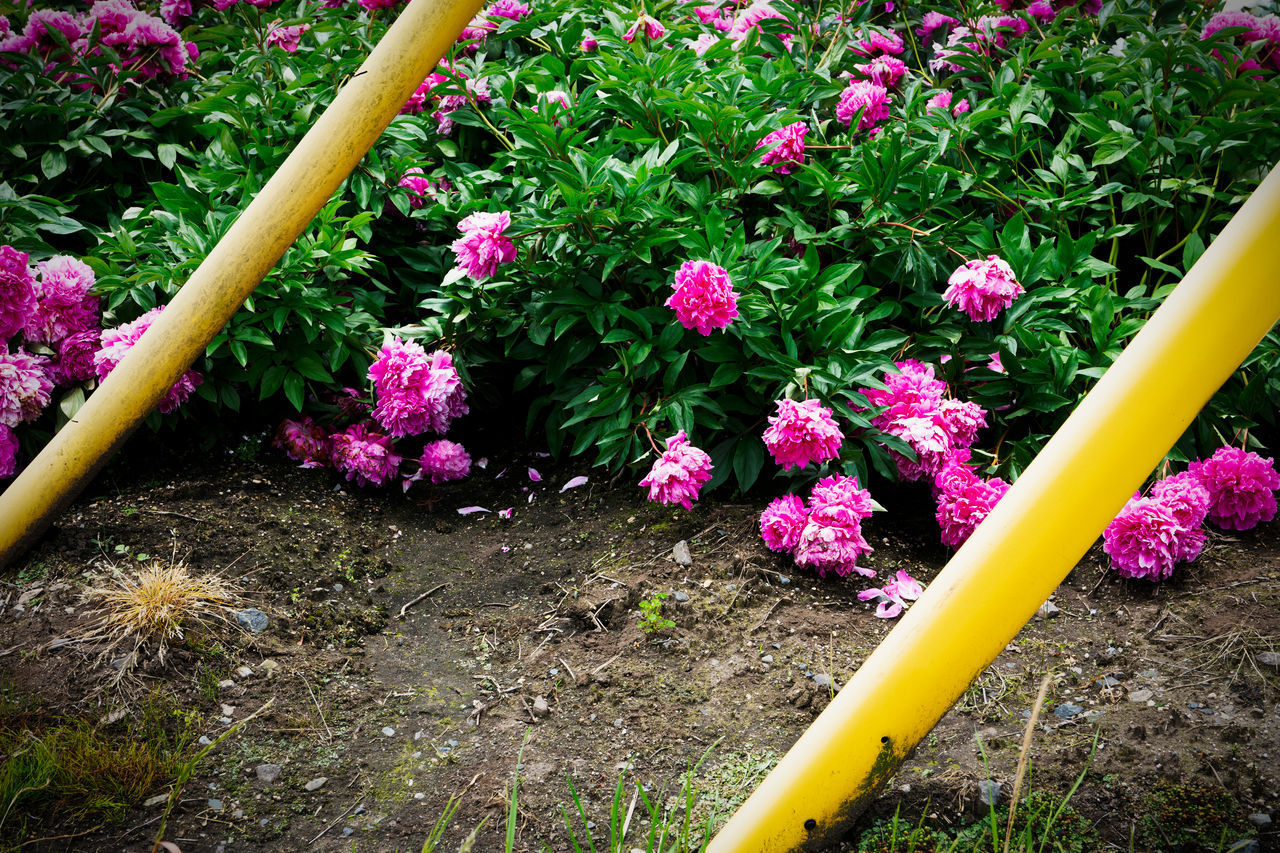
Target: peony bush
(816, 245)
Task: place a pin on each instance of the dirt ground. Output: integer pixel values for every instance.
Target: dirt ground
(413, 654)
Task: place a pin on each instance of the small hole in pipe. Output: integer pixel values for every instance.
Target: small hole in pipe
(884, 739)
(810, 824)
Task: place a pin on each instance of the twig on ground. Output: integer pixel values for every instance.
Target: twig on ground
(422, 597)
(606, 663)
(568, 669)
(1024, 754)
(760, 624)
(174, 514)
(319, 710)
(345, 812)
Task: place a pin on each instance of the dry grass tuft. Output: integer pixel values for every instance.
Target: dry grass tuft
(155, 606)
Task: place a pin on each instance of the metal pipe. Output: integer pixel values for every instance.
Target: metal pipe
(324, 157)
(1045, 523)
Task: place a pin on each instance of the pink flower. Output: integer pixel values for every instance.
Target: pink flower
(364, 456)
(840, 490)
(749, 18)
(118, 341)
(786, 147)
(831, 539)
(703, 43)
(999, 29)
(17, 292)
(175, 12)
(894, 595)
(801, 433)
(871, 98)
(286, 38)
(1241, 487)
(8, 452)
(474, 34)
(24, 386)
(375, 5)
(1042, 11)
(420, 188)
(964, 500)
(704, 297)
(1142, 541)
(872, 42)
(303, 441)
(781, 523)
(556, 96)
(512, 9)
(940, 101)
(653, 29)
(678, 473)
(588, 44)
(63, 302)
(960, 108)
(982, 289)
(933, 21)
(75, 357)
(1188, 501)
(960, 42)
(483, 245)
(415, 392)
(883, 70)
(445, 460)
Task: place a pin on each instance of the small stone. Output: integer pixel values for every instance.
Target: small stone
(419, 796)
(238, 814)
(316, 784)
(268, 772)
(681, 596)
(989, 792)
(269, 667)
(1249, 846)
(784, 580)
(216, 805)
(226, 684)
(244, 672)
(157, 800)
(681, 554)
(359, 810)
(1110, 681)
(252, 620)
(824, 680)
(1268, 658)
(228, 711)
(1149, 673)
(1260, 819)
(226, 721)
(540, 707)
(1066, 710)
(347, 832)
(1048, 610)
(204, 740)
(1140, 696)
(767, 659)
(1094, 717)
(387, 731)
(337, 587)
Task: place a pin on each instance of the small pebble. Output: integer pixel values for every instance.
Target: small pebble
(244, 672)
(681, 596)
(1140, 696)
(316, 784)
(347, 831)
(1066, 711)
(767, 659)
(226, 684)
(1260, 819)
(204, 740)
(681, 554)
(268, 773)
(989, 792)
(387, 731)
(216, 805)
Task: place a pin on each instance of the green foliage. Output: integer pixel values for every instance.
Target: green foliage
(1044, 823)
(1190, 816)
(651, 618)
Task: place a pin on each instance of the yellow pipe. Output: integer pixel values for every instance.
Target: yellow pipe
(324, 157)
(1019, 555)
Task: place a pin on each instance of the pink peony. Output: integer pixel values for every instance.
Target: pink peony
(24, 386)
(843, 491)
(483, 246)
(964, 500)
(8, 452)
(444, 460)
(831, 539)
(678, 473)
(175, 12)
(303, 441)
(883, 70)
(785, 147)
(1241, 487)
(1042, 11)
(960, 108)
(704, 297)
(781, 523)
(1188, 501)
(364, 456)
(960, 42)
(63, 302)
(650, 26)
(420, 188)
(286, 38)
(75, 357)
(512, 9)
(940, 101)
(982, 289)
(999, 29)
(17, 292)
(872, 99)
(118, 341)
(873, 42)
(703, 43)
(801, 433)
(415, 392)
(588, 44)
(934, 21)
(1142, 541)
(749, 17)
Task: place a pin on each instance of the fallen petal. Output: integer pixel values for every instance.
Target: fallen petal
(573, 484)
(534, 475)
(468, 510)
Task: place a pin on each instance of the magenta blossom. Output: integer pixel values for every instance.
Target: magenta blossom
(883, 70)
(678, 473)
(934, 21)
(650, 26)
(892, 598)
(982, 289)
(8, 452)
(24, 386)
(75, 357)
(444, 460)
(784, 148)
(964, 500)
(415, 392)
(118, 341)
(1241, 486)
(286, 38)
(483, 246)
(511, 9)
(421, 188)
(17, 292)
(1042, 11)
(802, 432)
(845, 492)
(588, 44)
(704, 297)
(1188, 501)
(831, 539)
(303, 441)
(872, 42)
(63, 302)
(781, 523)
(871, 98)
(1142, 541)
(364, 456)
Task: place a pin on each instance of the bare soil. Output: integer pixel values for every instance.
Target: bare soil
(414, 654)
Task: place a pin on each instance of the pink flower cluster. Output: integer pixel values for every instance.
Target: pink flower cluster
(678, 473)
(118, 341)
(421, 188)
(826, 533)
(147, 46)
(963, 500)
(303, 441)
(915, 409)
(446, 104)
(24, 386)
(443, 461)
(982, 289)
(415, 392)
(364, 456)
(802, 432)
(286, 38)
(647, 25)
(484, 245)
(891, 599)
(1262, 31)
(784, 148)
(942, 101)
(868, 100)
(704, 297)
(473, 35)
(1241, 486)
(8, 452)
